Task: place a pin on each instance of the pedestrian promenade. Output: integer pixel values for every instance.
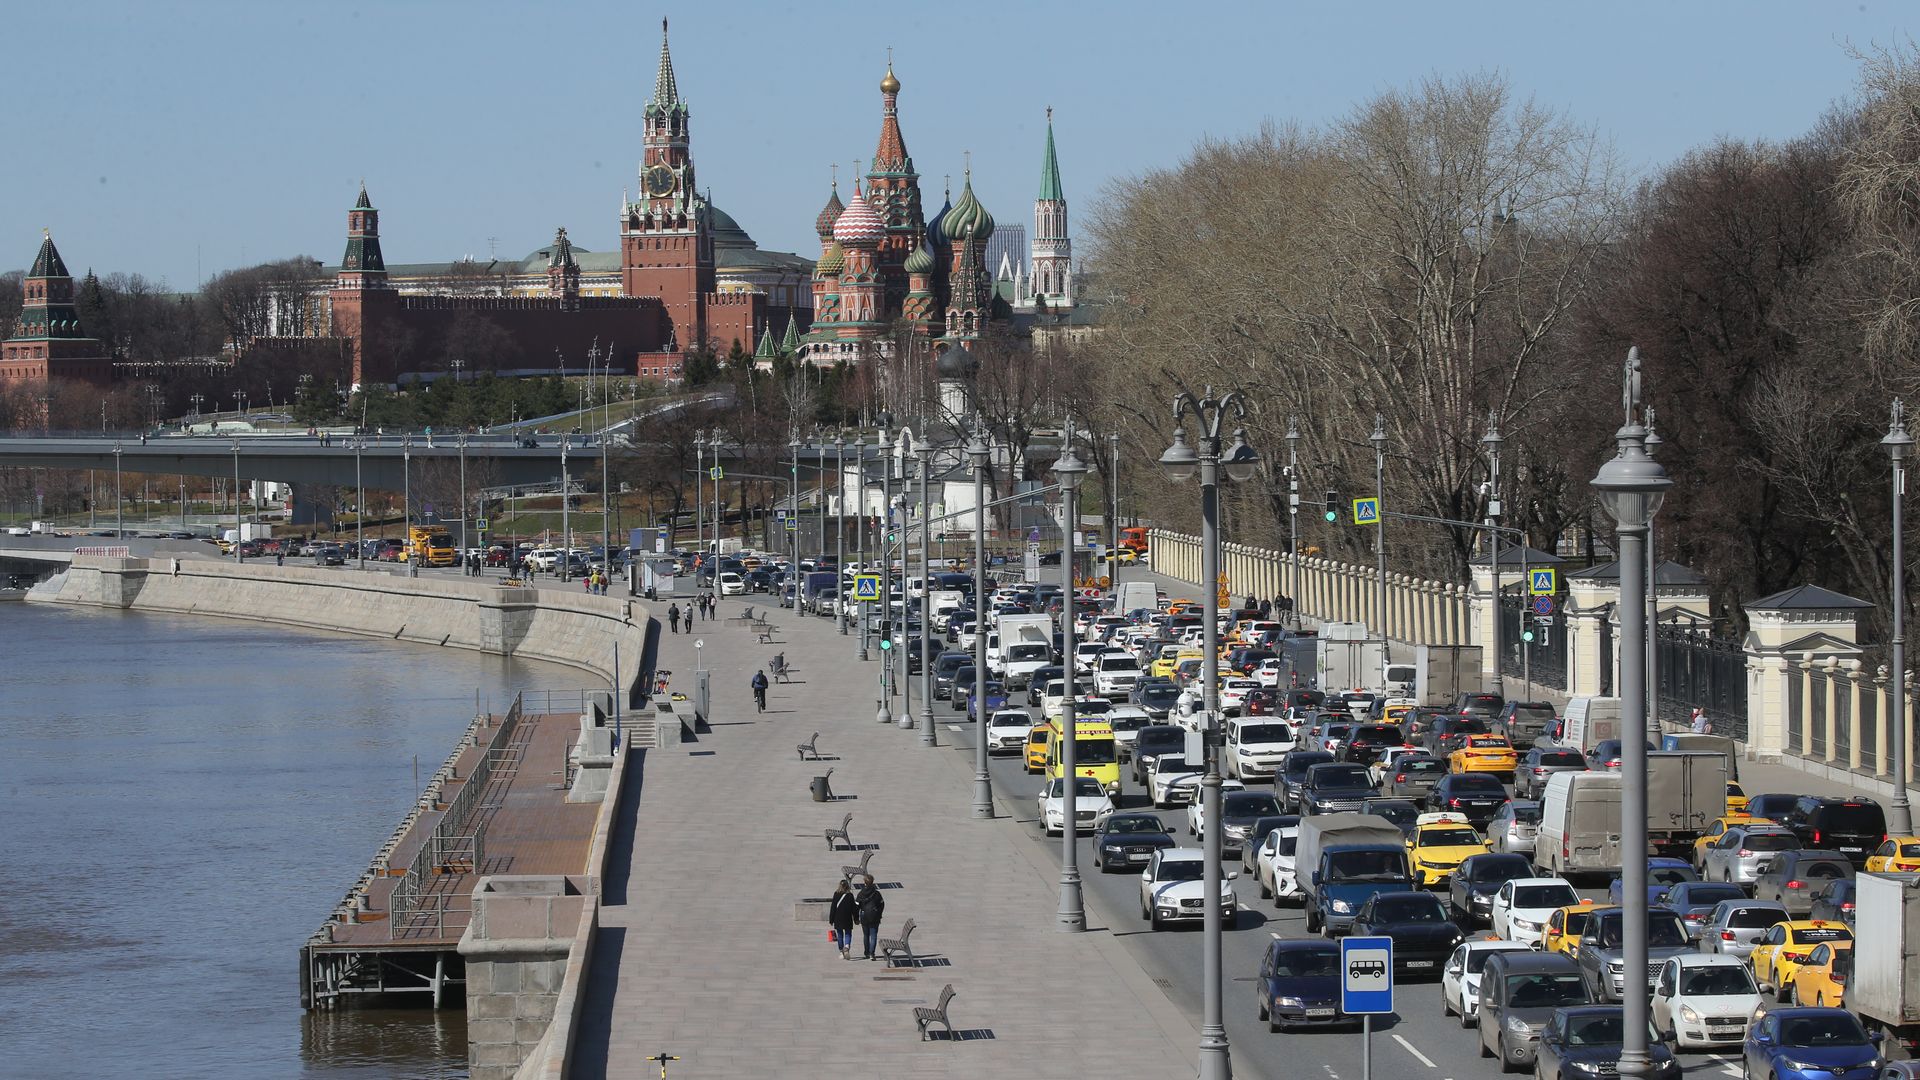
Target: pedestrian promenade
(709, 950)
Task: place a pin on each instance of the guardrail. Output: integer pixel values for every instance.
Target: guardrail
(458, 842)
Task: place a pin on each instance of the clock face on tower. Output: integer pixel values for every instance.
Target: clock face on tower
(659, 181)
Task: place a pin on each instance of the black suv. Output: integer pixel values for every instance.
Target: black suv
(1524, 721)
(1853, 827)
(944, 665)
(1449, 733)
(1476, 795)
(1153, 741)
(1479, 703)
(1292, 773)
(1367, 740)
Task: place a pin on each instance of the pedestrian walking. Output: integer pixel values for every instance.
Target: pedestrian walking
(713, 603)
(1266, 610)
(841, 914)
(1701, 725)
(673, 617)
(872, 906)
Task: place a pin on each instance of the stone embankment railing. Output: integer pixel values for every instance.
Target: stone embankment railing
(1418, 611)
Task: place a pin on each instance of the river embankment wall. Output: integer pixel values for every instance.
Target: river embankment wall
(561, 627)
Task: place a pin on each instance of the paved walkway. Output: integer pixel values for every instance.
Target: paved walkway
(706, 951)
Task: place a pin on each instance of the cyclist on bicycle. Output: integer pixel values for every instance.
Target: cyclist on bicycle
(760, 689)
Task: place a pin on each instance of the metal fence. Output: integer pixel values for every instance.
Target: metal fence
(458, 843)
(1546, 655)
(1693, 670)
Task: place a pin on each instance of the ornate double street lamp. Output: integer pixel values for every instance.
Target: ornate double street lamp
(923, 459)
(1379, 441)
(840, 532)
(980, 455)
(1068, 471)
(1630, 488)
(1180, 462)
(1899, 446)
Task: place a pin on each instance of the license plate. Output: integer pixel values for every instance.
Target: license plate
(1853, 850)
(1419, 963)
(1319, 1014)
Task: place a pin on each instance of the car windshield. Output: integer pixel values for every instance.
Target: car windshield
(1812, 935)
(1420, 766)
(1143, 823)
(1408, 909)
(1754, 918)
(1562, 757)
(1378, 733)
(1084, 787)
(1851, 818)
(1477, 958)
(1527, 815)
(1298, 764)
(1604, 1029)
(1825, 1028)
(1401, 814)
(1705, 895)
(1478, 783)
(1168, 763)
(1546, 991)
(1770, 842)
(1305, 963)
(1664, 929)
(1718, 980)
(1364, 865)
(1501, 869)
(1342, 776)
(1544, 896)
(1182, 870)
(1448, 837)
(1669, 875)
(1027, 652)
(1094, 752)
(1249, 804)
(1265, 733)
(1159, 695)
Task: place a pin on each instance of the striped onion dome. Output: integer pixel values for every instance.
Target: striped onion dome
(859, 226)
(968, 220)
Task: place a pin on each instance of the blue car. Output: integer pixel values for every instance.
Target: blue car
(1662, 874)
(1811, 1044)
(996, 699)
(1299, 985)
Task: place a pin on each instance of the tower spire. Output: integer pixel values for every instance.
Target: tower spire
(666, 93)
(1050, 189)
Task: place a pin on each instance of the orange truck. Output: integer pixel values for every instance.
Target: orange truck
(1134, 540)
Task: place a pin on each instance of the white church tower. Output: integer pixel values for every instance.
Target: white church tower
(1051, 276)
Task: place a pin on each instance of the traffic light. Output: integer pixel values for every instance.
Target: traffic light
(1333, 506)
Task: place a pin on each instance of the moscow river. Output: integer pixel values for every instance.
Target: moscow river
(184, 800)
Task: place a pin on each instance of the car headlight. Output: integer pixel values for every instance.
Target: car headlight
(1687, 1014)
(1522, 924)
(1519, 1026)
(1616, 966)
(1289, 1002)
(1586, 1068)
(1342, 907)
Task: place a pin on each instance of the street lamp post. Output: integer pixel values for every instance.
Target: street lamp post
(840, 532)
(119, 515)
(1899, 446)
(1069, 471)
(896, 659)
(792, 523)
(980, 455)
(700, 505)
(466, 537)
(566, 519)
(1653, 443)
(239, 528)
(886, 580)
(860, 527)
(1379, 441)
(406, 496)
(1113, 501)
(360, 501)
(1180, 462)
(1631, 487)
(1492, 440)
(1293, 507)
(923, 454)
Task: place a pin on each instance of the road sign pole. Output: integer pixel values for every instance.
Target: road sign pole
(1366, 1047)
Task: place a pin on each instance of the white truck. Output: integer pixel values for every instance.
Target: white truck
(1885, 988)
(1591, 720)
(1130, 596)
(1579, 825)
(1349, 664)
(1437, 674)
(1686, 791)
(1022, 645)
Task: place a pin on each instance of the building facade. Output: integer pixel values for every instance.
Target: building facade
(47, 340)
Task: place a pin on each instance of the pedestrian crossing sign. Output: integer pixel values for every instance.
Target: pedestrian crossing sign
(866, 587)
(715, 473)
(1366, 511)
(793, 524)
(1542, 582)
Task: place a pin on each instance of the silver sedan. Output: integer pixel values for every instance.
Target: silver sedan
(1741, 853)
(1736, 925)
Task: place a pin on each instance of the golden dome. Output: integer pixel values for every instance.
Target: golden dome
(889, 85)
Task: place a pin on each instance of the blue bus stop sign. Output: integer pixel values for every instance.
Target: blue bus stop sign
(1366, 975)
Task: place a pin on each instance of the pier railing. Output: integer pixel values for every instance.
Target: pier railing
(457, 844)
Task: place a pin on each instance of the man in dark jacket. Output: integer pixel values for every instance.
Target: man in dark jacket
(840, 915)
(673, 617)
(872, 906)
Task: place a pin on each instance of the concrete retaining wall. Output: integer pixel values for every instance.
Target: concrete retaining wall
(538, 624)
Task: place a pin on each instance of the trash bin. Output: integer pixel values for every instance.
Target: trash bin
(821, 792)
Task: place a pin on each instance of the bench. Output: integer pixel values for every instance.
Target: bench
(923, 1016)
(840, 833)
(810, 750)
(782, 671)
(746, 616)
(765, 630)
(848, 873)
(902, 944)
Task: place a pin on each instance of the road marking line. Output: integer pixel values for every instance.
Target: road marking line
(953, 727)
(1730, 1071)
(1424, 1060)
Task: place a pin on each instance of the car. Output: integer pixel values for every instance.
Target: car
(1514, 827)
(1736, 798)
(1233, 692)
(329, 556)
(1126, 722)
(1403, 813)
(1298, 984)
(1810, 1044)
(1822, 980)
(1007, 731)
(1124, 841)
(1172, 889)
(1471, 888)
(732, 584)
(1238, 811)
(1793, 877)
(1460, 976)
(1149, 743)
(1587, 1041)
(1258, 831)
(1475, 796)
(1895, 855)
(1366, 742)
(1835, 902)
(1035, 757)
(1702, 1001)
(1291, 773)
(1735, 926)
(1522, 907)
(1740, 852)
(1785, 946)
(1382, 766)
(1695, 902)
(1156, 697)
(1524, 721)
(1413, 775)
(1439, 843)
(996, 698)
(1772, 806)
(1330, 736)
(1091, 805)
(1561, 934)
(1254, 747)
(1450, 731)
(1854, 826)
(1662, 874)
(1714, 830)
(1166, 769)
(1519, 993)
(1274, 866)
(1184, 789)
(1334, 787)
(1416, 922)
(1484, 754)
(1536, 766)
(1601, 958)
(1039, 681)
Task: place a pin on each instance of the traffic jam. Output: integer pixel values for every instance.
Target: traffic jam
(1367, 795)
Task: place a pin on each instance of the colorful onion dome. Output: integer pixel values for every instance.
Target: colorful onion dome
(823, 225)
(968, 220)
(921, 261)
(833, 261)
(858, 225)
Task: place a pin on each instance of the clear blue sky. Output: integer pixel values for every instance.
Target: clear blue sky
(178, 139)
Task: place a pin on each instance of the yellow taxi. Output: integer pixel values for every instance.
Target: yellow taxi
(1395, 714)
(1164, 664)
(1564, 927)
(1714, 830)
(1484, 754)
(1037, 746)
(1438, 844)
(1822, 980)
(1736, 798)
(1123, 555)
(1895, 855)
(1786, 945)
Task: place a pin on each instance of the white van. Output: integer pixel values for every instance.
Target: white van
(1579, 824)
(1255, 745)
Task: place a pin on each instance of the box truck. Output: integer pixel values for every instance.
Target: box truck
(1885, 988)
(1591, 720)
(1343, 860)
(1349, 664)
(1579, 825)
(1437, 674)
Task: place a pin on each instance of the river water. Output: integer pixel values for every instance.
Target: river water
(182, 801)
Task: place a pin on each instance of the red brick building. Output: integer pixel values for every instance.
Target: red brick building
(48, 341)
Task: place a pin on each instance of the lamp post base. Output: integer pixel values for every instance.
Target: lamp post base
(881, 714)
(1073, 907)
(929, 735)
(982, 796)
(1215, 1062)
(904, 721)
